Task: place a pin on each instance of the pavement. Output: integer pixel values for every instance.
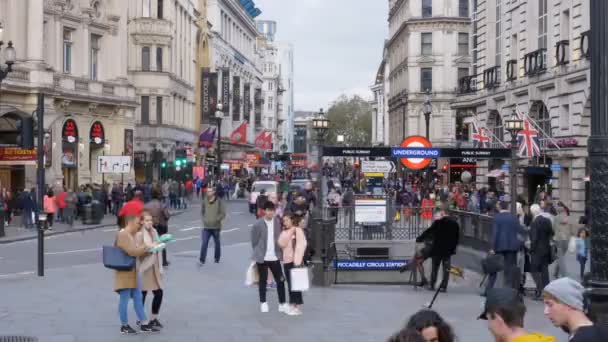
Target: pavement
(75, 301)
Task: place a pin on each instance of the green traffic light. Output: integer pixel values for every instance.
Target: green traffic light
(163, 165)
(178, 162)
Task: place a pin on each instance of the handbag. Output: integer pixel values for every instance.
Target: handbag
(299, 279)
(493, 263)
(252, 276)
(572, 245)
(116, 259)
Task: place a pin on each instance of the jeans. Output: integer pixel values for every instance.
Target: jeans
(206, 234)
(138, 304)
(446, 263)
(509, 272)
(560, 267)
(68, 216)
(295, 297)
(277, 274)
(582, 260)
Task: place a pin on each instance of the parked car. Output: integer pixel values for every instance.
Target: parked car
(257, 187)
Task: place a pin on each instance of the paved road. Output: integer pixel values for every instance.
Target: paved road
(80, 248)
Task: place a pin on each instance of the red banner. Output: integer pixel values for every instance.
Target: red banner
(16, 156)
(239, 136)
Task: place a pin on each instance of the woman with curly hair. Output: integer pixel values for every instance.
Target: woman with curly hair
(406, 335)
(431, 326)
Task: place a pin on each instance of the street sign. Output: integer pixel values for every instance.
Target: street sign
(556, 167)
(415, 146)
(113, 164)
(505, 167)
(338, 151)
(378, 166)
(479, 153)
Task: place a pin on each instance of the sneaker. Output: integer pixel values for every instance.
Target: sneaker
(156, 323)
(126, 329)
(201, 263)
(264, 307)
(149, 328)
(284, 308)
(293, 311)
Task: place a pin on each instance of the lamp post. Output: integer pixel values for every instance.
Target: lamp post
(597, 287)
(10, 55)
(320, 125)
(219, 115)
(427, 109)
(514, 125)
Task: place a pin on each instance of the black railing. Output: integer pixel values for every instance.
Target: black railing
(491, 77)
(466, 85)
(512, 70)
(535, 62)
(475, 229)
(562, 52)
(585, 46)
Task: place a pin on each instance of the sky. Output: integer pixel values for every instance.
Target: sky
(337, 45)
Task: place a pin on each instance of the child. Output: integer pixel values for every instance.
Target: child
(582, 249)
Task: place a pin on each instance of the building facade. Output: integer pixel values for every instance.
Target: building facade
(286, 112)
(162, 65)
(381, 88)
(428, 47)
(533, 57)
(75, 53)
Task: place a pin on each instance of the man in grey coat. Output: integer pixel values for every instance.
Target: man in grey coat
(267, 255)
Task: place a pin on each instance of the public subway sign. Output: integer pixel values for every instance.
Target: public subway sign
(432, 153)
(369, 265)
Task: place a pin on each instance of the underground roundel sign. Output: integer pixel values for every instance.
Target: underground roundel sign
(413, 142)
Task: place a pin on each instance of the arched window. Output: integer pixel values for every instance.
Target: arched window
(495, 126)
(540, 114)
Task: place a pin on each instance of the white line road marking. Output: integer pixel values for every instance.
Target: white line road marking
(230, 230)
(74, 251)
(187, 238)
(227, 246)
(110, 230)
(189, 229)
(16, 274)
(250, 225)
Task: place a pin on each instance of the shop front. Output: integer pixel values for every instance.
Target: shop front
(12, 167)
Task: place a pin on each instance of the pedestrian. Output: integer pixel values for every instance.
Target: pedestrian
(260, 204)
(504, 309)
(213, 212)
(50, 208)
(561, 227)
(431, 326)
(444, 233)
(541, 235)
(563, 299)
(292, 241)
(407, 335)
(151, 268)
(582, 250)
(160, 217)
(28, 207)
(267, 253)
(69, 211)
(128, 283)
(505, 242)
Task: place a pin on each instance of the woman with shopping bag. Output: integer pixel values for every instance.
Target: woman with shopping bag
(293, 244)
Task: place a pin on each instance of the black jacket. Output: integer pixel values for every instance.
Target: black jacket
(444, 234)
(541, 234)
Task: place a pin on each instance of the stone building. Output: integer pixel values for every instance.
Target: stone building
(162, 65)
(532, 56)
(428, 47)
(381, 89)
(75, 52)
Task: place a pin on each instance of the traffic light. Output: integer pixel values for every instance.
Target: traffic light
(163, 164)
(25, 132)
(178, 162)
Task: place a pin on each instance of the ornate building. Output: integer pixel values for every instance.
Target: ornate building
(381, 90)
(75, 52)
(428, 47)
(532, 56)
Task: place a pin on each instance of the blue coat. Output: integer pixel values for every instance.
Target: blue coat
(505, 228)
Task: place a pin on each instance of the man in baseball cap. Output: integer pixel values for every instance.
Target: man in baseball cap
(564, 307)
(504, 310)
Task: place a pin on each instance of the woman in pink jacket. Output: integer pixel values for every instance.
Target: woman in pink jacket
(293, 243)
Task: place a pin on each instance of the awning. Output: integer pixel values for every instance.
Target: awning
(497, 173)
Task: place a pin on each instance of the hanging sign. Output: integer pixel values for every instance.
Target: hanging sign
(69, 133)
(97, 134)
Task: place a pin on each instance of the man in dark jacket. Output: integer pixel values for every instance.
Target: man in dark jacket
(444, 233)
(541, 234)
(505, 242)
(28, 205)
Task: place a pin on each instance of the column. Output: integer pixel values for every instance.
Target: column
(35, 25)
(597, 292)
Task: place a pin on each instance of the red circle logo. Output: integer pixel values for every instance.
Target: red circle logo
(413, 142)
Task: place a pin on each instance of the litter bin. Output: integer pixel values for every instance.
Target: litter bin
(97, 212)
(87, 213)
(2, 223)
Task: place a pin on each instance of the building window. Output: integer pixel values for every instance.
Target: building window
(463, 44)
(145, 109)
(145, 58)
(159, 59)
(542, 24)
(95, 46)
(498, 45)
(427, 8)
(67, 50)
(426, 79)
(543, 120)
(159, 110)
(146, 6)
(270, 86)
(159, 9)
(463, 8)
(495, 125)
(270, 102)
(462, 72)
(427, 44)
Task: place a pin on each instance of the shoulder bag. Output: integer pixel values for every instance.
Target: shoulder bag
(116, 259)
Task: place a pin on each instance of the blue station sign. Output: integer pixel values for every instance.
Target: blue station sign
(369, 265)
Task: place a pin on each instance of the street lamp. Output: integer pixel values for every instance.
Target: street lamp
(340, 139)
(514, 125)
(10, 55)
(427, 109)
(219, 115)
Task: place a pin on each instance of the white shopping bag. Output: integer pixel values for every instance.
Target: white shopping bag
(572, 244)
(252, 276)
(299, 279)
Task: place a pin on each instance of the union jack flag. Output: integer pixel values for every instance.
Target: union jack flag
(529, 143)
(480, 140)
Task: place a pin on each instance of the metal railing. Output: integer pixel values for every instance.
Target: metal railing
(475, 229)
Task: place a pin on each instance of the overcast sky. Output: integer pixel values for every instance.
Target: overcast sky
(337, 43)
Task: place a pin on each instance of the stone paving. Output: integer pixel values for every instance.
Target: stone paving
(212, 304)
